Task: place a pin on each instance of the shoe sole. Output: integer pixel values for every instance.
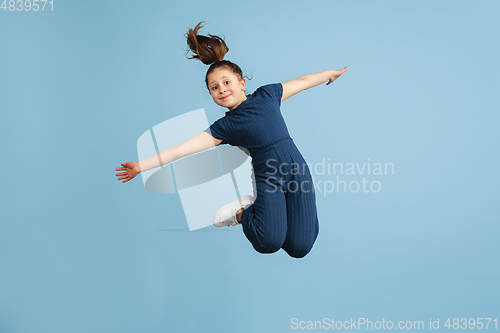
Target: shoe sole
(243, 201)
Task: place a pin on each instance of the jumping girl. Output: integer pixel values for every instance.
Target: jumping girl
(278, 215)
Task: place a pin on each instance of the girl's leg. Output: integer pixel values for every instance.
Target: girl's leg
(302, 216)
(265, 222)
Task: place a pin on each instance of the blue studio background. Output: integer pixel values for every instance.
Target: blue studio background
(82, 252)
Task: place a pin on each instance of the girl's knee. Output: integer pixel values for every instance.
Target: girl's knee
(298, 252)
(300, 248)
(270, 246)
(297, 249)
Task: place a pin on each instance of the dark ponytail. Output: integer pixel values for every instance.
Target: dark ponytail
(210, 50)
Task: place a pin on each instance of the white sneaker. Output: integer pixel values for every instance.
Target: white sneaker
(226, 216)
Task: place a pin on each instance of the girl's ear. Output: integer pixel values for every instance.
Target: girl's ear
(242, 83)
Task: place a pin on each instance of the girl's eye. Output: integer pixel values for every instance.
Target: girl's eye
(227, 81)
(214, 87)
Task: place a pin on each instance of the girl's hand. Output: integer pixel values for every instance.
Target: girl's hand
(132, 170)
(336, 75)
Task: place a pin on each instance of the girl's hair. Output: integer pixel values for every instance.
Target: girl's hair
(210, 50)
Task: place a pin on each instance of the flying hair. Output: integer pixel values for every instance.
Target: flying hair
(210, 50)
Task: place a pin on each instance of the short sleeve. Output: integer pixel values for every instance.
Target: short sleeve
(274, 90)
(218, 131)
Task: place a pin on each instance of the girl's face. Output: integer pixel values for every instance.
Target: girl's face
(226, 88)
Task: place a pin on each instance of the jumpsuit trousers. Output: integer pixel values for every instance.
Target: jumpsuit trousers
(284, 212)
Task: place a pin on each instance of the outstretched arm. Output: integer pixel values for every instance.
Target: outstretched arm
(196, 144)
(304, 82)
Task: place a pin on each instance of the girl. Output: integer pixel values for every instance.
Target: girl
(282, 213)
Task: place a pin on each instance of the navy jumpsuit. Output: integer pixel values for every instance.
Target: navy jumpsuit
(284, 212)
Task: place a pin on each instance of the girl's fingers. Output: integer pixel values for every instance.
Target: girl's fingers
(124, 176)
